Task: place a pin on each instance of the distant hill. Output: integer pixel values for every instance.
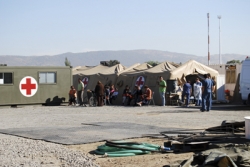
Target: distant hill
(126, 57)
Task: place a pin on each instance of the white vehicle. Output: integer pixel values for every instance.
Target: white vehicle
(245, 81)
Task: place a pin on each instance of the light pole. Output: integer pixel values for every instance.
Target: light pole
(220, 61)
(208, 54)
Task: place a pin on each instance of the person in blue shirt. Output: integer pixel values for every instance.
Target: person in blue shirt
(207, 87)
(187, 91)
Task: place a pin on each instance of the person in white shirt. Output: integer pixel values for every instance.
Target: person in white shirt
(197, 92)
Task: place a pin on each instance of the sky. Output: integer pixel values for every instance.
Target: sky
(50, 27)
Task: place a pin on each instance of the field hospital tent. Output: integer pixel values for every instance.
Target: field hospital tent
(144, 75)
(87, 72)
(191, 67)
(107, 75)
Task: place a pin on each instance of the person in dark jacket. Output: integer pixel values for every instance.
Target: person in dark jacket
(99, 92)
(187, 91)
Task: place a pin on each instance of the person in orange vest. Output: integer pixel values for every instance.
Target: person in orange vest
(146, 96)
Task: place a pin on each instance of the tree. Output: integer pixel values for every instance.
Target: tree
(233, 62)
(113, 62)
(67, 62)
(153, 63)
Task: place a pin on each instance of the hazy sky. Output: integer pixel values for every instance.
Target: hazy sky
(49, 27)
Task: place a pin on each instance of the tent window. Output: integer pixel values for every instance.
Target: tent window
(6, 78)
(47, 77)
(230, 76)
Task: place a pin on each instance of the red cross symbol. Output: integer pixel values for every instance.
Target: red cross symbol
(85, 81)
(28, 86)
(140, 81)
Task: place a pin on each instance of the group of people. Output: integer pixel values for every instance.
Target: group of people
(202, 91)
(138, 96)
(106, 94)
(142, 97)
(103, 94)
(76, 95)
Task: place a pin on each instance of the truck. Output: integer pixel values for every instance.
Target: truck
(245, 81)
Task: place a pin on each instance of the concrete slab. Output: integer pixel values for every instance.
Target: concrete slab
(78, 125)
(87, 133)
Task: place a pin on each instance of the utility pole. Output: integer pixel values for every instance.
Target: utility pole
(208, 56)
(220, 60)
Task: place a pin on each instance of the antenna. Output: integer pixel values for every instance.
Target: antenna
(220, 60)
(208, 56)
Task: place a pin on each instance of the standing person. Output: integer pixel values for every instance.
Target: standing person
(72, 96)
(162, 89)
(80, 91)
(179, 93)
(99, 92)
(187, 91)
(206, 94)
(197, 92)
(111, 90)
(107, 95)
(212, 91)
(214, 88)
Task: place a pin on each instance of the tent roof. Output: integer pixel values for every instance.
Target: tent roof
(79, 69)
(113, 70)
(143, 66)
(94, 70)
(192, 67)
(162, 67)
(136, 69)
(129, 68)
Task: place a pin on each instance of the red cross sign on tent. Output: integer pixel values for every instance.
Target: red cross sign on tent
(28, 86)
(85, 80)
(140, 81)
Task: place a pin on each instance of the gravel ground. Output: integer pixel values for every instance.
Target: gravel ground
(18, 151)
(15, 152)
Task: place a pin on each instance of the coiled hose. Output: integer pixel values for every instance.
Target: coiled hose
(124, 148)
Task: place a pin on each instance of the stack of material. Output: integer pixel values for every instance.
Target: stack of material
(222, 146)
(189, 140)
(125, 148)
(227, 130)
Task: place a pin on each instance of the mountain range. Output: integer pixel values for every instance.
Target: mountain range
(126, 58)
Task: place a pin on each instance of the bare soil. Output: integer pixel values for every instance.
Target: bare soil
(148, 160)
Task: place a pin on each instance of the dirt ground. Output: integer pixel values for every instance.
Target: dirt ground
(148, 160)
